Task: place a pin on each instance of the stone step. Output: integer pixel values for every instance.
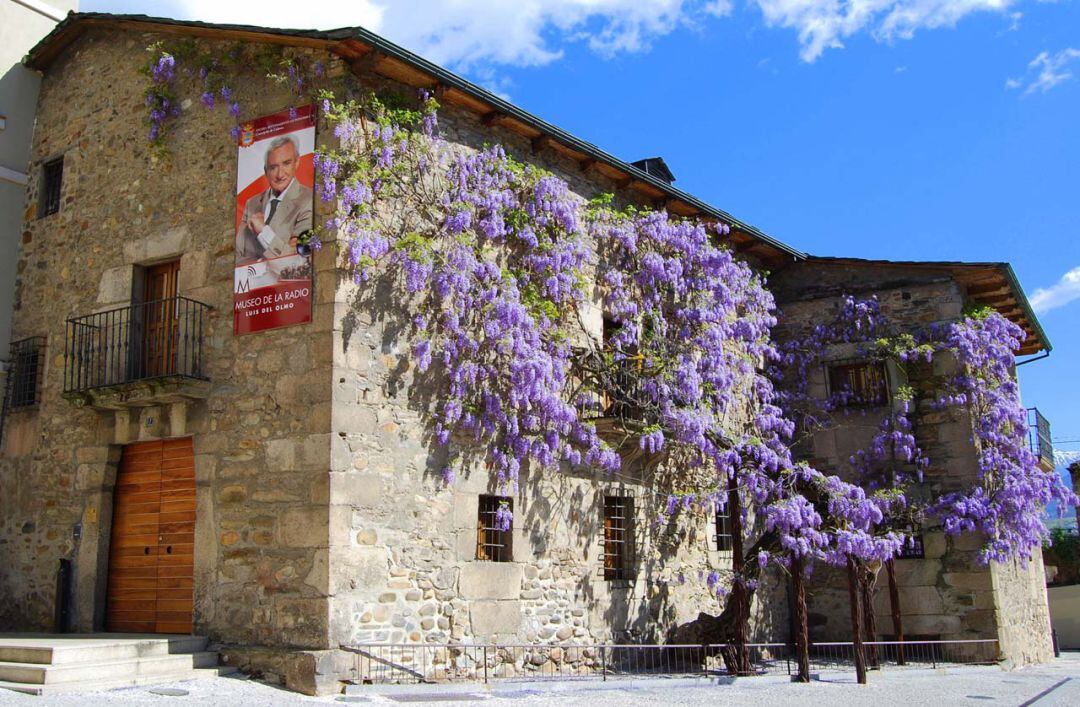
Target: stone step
(72, 648)
(148, 666)
(116, 683)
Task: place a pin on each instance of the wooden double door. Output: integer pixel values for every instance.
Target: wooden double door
(151, 556)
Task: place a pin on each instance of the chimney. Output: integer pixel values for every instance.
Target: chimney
(655, 167)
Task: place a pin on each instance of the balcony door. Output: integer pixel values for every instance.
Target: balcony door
(161, 325)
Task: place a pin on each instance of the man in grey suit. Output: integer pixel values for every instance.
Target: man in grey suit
(274, 218)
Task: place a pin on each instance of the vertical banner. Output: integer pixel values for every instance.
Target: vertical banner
(275, 172)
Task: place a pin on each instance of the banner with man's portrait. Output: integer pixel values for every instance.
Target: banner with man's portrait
(275, 173)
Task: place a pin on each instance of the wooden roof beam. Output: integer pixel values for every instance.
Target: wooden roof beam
(492, 118)
(997, 299)
(368, 63)
(992, 288)
(540, 143)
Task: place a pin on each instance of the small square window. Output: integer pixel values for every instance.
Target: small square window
(859, 384)
(24, 373)
(618, 516)
(724, 541)
(494, 530)
(912, 548)
(52, 178)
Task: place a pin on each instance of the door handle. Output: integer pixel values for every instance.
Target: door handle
(146, 551)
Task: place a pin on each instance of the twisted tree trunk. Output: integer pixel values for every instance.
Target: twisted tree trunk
(894, 607)
(737, 659)
(868, 583)
(856, 620)
(802, 636)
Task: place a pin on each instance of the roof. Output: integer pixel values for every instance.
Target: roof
(366, 51)
(993, 285)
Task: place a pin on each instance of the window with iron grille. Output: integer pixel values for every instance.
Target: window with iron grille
(618, 516)
(723, 528)
(912, 549)
(859, 384)
(52, 178)
(494, 530)
(24, 373)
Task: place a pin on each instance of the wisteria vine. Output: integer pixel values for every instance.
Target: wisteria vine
(500, 263)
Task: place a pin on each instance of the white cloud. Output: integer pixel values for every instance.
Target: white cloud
(467, 34)
(825, 24)
(1059, 294)
(1045, 71)
(470, 33)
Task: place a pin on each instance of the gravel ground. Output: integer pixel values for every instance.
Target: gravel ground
(1057, 683)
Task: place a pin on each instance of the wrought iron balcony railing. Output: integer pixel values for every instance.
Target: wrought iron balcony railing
(161, 339)
(1039, 438)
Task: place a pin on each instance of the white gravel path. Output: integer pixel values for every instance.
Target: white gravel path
(1057, 683)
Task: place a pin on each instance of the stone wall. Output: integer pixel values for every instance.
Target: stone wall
(261, 438)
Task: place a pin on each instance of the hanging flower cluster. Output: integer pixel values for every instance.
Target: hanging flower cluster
(492, 254)
(210, 73)
(160, 98)
(1007, 503)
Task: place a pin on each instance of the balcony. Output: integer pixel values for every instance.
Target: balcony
(147, 353)
(1039, 439)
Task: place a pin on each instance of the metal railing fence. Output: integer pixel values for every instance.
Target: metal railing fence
(382, 663)
(142, 341)
(1039, 440)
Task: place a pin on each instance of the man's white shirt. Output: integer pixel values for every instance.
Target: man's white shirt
(266, 235)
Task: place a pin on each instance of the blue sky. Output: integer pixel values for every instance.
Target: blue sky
(940, 129)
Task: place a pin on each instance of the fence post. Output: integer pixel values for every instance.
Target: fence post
(603, 663)
(485, 665)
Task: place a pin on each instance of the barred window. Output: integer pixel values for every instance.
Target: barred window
(494, 529)
(618, 516)
(24, 373)
(912, 548)
(52, 178)
(859, 384)
(723, 528)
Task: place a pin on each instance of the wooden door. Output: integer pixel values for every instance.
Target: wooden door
(151, 557)
(161, 326)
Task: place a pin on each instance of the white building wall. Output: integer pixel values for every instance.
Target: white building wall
(22, 24)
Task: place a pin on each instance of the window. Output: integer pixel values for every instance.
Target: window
(912, 548)
(723, 528)
(24, 373)
(859, 384)
(52, 177)
(494, 529)
(618, 536)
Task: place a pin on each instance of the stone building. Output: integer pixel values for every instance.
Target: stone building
(945, 592)
(299, 506)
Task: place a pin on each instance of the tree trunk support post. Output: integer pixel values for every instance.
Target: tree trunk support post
(739, 593)
(856, 620)
(869, 580)
(894, 608)
(802, 639)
